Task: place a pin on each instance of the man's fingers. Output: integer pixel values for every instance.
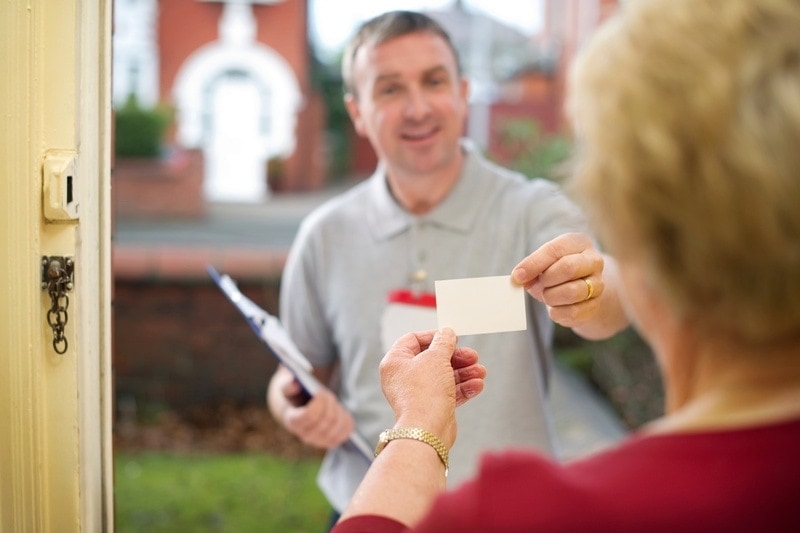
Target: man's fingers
(321, 423)
(548, 254)
(573, 292)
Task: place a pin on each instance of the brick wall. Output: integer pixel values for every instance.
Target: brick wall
(169, 187)
(179, 345)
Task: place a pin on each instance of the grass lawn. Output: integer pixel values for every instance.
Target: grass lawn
(168, 492)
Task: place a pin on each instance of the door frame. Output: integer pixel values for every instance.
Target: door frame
(56, 455)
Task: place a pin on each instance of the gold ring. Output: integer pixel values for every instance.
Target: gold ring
(589, 286)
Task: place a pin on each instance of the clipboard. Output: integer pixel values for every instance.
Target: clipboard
(269, 329)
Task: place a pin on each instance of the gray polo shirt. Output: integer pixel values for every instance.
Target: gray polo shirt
(358, 247)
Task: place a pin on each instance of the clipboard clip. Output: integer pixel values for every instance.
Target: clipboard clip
(265, 326)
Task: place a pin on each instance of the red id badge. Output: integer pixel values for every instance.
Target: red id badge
(407, 311)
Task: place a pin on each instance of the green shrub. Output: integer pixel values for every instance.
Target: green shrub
(532, 151)
(139, 132)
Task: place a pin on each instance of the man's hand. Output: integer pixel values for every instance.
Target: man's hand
(320, 421)
(578, 284)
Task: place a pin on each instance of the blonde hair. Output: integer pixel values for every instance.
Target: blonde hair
(687, 119)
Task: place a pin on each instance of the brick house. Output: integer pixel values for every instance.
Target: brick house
(235, 75)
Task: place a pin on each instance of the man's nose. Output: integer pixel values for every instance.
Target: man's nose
(417, 104)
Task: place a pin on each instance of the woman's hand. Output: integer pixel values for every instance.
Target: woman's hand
(424, 377)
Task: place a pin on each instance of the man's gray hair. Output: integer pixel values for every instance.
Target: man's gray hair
(383, 28)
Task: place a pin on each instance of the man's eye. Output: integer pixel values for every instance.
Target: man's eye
(388, 90)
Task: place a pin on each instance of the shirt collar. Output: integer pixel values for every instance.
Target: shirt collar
(457, 212)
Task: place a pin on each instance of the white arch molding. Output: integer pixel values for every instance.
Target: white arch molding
(238, 103)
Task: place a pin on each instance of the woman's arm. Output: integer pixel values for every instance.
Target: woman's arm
(424, 377)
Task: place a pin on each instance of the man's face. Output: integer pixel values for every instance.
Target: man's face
(411, 103)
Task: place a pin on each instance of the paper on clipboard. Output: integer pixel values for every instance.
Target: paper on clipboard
(271, 332)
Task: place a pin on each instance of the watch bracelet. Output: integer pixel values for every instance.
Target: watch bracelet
(421, 435)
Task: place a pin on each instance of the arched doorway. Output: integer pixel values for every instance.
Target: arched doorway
(238, 104)
(237, 133)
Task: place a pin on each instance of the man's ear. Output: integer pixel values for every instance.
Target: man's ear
(464, 87)
(351, 104)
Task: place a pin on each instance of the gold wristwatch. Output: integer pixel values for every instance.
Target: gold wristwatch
(417, 434)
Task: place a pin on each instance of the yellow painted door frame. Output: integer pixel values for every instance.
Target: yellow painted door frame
(55, 408)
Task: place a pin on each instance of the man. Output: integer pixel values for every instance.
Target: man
(434, 209)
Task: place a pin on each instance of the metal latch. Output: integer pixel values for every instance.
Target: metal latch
(57, 280)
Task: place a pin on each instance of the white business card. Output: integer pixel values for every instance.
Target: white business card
(472, 306)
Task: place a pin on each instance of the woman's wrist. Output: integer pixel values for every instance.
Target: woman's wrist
(417, 434)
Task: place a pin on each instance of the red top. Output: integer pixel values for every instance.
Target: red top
(739, 480)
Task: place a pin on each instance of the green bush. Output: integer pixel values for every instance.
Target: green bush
(532, 151)
(327, 80)
(139, 132)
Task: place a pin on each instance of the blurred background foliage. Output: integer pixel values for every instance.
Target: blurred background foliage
(327, 79)
(532, 151)
(139, 132)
